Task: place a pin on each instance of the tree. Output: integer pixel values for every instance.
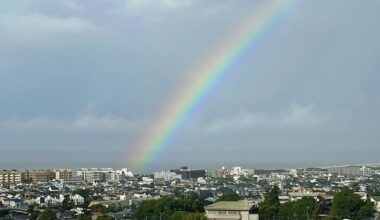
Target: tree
(269, 208)
(229, 196)
(48, 214)
(105, 217)
(84, 217)
(99, 208)
(349, 205)
(166, 206)
(304, 208)
(366, 210)
(181, 215)
(67, 204)
(32, 214)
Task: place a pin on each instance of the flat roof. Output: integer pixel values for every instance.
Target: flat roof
(231, 205)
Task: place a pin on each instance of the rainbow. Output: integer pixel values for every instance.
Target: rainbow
(204, 78)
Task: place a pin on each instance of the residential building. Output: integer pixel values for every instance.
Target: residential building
(189, 174)
(96, 174)
(232, 210)
(36, 176)
(351, 170)
(167, 175)
(63, 174)
(10, 177)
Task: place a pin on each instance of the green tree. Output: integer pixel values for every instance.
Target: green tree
(84, 217)
(105, 217)
(229, 196)
(99, 208)
(67, 204)
(366, 210)
(269, 208)
(347, 204)
(48, 214)
(299, 209)
(181, 215)
(32, 214)
(166, 206)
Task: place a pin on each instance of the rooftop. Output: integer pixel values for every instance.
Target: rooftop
(231, 205)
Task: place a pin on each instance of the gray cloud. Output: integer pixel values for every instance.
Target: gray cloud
(86, 123)
(305, 94)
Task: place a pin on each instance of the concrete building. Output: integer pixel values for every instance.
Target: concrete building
(12, 177)
(167, 175)
(239, 210)
(350, 170)
(189, 174)
(36, 176)
(96, 174)
(63, 174)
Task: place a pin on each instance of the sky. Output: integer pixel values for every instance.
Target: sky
(81, 82)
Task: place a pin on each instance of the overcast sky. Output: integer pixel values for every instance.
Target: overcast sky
(81, 81)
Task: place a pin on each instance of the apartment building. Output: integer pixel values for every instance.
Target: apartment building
(96, 174)
(35, 176)
(10, 177)
(63, 174)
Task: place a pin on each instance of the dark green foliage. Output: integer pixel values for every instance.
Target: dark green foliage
(166, 206)
(99, 208)
(366, 210)
(229, 196)
(269, 208)
(348, 205)
(375, 193)
(67, 204)
(32, 214)
(105, 217)
(48, 214)
(305, 208)
(84, 217)
(181, 215)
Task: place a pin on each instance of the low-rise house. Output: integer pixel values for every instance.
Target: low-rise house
(48, 201)
(77, 199)
(17, 203)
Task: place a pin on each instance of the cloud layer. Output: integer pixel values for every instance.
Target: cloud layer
(307, 94)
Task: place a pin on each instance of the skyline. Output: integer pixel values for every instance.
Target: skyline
(80, 83)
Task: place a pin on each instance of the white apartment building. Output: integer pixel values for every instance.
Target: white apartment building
(167, 175)
(95, 174)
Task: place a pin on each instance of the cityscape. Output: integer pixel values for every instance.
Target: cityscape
(189, 110)
(221, 193)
